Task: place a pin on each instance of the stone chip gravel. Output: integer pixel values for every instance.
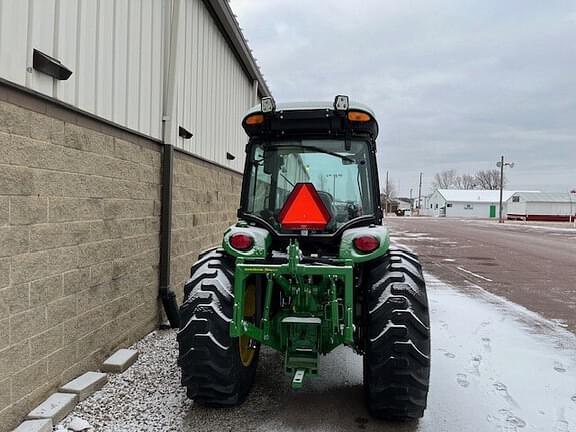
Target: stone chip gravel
(148, 396)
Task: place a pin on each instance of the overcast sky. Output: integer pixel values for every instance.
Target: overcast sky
(454, 83)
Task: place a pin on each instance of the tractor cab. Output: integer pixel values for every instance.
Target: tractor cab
(310, 169)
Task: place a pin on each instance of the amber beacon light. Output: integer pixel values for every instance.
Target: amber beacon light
(358, 116)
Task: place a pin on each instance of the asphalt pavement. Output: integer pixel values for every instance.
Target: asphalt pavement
(531, 265)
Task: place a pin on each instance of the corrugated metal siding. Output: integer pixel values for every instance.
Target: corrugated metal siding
(115, 49)
(213, 89)
(65, 47)
(41, 30)
(14, 36)
(549, 208)
(518, 208)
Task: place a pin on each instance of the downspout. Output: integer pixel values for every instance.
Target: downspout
(167, 296)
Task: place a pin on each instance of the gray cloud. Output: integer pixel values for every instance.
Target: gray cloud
(454, 83)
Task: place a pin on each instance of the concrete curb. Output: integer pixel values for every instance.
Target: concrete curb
(120, 361)
(41, 425)
(85, 384)
(58, 405)
(55, 408)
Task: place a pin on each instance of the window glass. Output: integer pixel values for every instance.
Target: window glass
(341, 177)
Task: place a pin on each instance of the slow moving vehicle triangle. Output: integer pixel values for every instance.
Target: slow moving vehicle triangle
(304, 209)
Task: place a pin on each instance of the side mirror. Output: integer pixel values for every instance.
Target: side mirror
(271, 162)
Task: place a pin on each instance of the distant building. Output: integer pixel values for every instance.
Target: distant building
(541, 206)
(404, 203)
(423, 208)
(465, 203)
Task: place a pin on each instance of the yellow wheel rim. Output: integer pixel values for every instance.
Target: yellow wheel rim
(246, 349)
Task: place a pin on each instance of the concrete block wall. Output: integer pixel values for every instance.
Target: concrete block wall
(205, 201)
(78, 250)
(79, 241)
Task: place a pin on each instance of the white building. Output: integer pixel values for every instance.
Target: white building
(543, 206)
(404, 203)
(465, 203)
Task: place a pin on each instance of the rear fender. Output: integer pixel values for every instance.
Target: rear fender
(262, 241)
(347, 250)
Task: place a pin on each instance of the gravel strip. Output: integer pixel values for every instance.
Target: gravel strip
(148, 396)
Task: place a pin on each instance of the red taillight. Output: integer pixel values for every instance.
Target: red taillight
(242, 242)
(366, 244)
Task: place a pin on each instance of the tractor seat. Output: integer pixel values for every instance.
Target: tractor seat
(328, 201)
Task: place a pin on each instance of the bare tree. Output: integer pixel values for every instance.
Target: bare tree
(465, 181)
(484, 179)
(445, 179)
(489, 179)
(388, 193)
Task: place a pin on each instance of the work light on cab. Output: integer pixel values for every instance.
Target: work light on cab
(341, 103)
(268, 104)
(241, 242)
(366, 244)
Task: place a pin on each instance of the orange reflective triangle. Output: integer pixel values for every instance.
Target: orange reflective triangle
(304, 209)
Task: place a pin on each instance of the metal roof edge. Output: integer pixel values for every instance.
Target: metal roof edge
(481, 195)
(225, 16)
(547, 197)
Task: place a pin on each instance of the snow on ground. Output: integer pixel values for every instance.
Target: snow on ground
(561, 227)
(495, 367)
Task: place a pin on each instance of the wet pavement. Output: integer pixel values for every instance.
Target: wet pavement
(532, 265)
(495, 367)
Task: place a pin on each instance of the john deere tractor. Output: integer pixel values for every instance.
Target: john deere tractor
(308, 267)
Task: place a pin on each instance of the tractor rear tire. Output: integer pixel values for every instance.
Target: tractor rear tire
(397, 344)
(212, 368)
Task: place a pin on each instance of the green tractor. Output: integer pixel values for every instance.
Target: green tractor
(308, 267)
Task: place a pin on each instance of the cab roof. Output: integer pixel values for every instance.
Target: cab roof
(309, 119)
(313, 106)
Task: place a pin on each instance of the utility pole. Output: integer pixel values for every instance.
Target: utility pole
(387, 192)
(411, 206)
(500, 220)
(572, 218)
(420, 195)
(501, 165)
(334, 183)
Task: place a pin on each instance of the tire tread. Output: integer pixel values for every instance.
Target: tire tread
(397, 357)
(208, 355)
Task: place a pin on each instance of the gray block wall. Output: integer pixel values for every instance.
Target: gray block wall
(79, 241)
(205, 201)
